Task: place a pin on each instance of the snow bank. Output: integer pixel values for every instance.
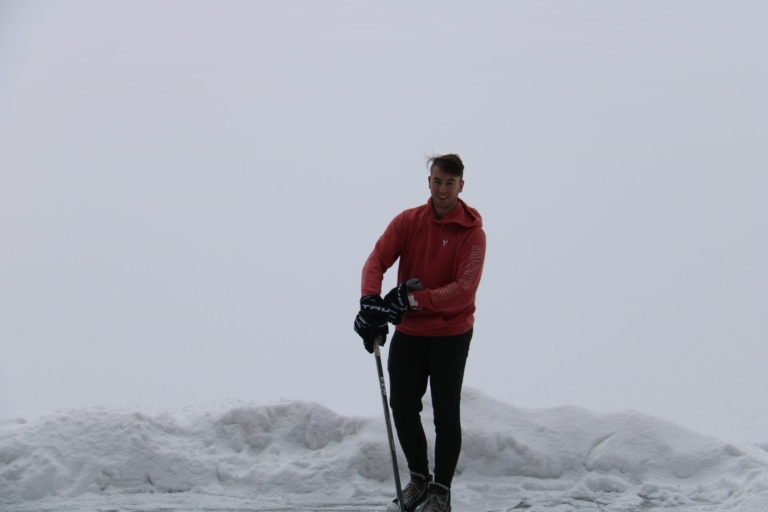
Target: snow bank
(299, 452)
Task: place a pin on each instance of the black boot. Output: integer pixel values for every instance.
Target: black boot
(438, 498)
(414, 493)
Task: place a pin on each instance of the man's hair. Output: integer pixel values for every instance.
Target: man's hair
(450, 164)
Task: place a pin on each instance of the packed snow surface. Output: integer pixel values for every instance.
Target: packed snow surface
(303, 456)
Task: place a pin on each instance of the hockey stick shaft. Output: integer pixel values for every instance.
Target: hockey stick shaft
(382, 385)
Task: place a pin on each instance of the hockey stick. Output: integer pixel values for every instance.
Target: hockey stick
(382, 385)
(412, 284)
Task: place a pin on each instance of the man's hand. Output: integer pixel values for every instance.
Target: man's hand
(397, 299)
(371, 320)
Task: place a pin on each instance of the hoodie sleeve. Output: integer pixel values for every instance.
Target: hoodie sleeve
(384, 254)
(460, 293)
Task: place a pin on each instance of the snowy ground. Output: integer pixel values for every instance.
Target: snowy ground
(302, 456)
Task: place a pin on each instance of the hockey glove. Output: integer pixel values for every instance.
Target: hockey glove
(371, 320)
(397, 299)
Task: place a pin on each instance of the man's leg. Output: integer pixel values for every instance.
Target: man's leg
(408, 376)
(448, 356)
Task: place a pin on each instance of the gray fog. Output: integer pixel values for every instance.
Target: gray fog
(189, 189)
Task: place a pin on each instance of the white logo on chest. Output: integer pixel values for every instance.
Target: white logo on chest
(445, 242)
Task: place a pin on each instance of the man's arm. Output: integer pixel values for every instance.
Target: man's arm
(384, 254)
(459, 293)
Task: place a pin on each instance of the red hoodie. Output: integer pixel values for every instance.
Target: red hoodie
(446, 255)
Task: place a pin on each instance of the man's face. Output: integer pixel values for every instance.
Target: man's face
(445, 190)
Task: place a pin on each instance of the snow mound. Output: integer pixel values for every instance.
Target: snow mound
(501, 440)
(298, 452)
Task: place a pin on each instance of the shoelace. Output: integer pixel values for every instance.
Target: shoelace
(412, 493)
(436, 502)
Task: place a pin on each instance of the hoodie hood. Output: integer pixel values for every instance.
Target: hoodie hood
(462, 215)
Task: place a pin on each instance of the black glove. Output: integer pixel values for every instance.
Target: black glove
(371, 321)
(397, 300)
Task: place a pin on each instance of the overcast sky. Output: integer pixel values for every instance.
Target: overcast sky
(189, 189)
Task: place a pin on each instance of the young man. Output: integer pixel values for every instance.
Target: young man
(442, 244)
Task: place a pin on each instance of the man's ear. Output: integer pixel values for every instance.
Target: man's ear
(461, 186)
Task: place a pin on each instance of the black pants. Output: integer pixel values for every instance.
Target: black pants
(414, 360)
